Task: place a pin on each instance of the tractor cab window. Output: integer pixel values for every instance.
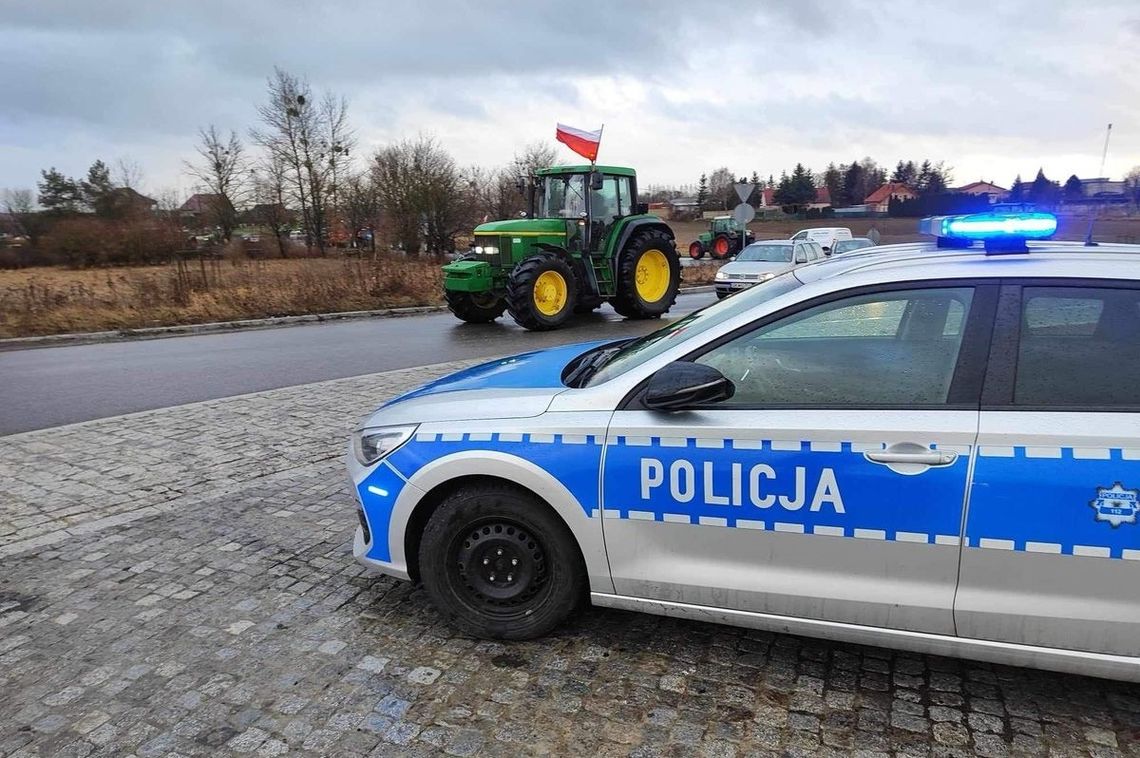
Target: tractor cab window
(562, 197)
(604, 205)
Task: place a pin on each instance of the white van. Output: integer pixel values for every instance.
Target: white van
(826, 236)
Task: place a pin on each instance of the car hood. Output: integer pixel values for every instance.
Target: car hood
(755, 267)
(518, 386)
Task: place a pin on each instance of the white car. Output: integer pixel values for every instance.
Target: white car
(826, 236)
(932, 447)
(762, 261)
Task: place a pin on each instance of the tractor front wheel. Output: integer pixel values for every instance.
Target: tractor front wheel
(696, 250)
(541, 292)
(721, 247)
(475, 307)
(649, 274)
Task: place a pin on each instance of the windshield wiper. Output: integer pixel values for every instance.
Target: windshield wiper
(590, 364)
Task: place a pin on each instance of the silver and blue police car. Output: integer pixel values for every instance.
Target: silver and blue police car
(933, 447)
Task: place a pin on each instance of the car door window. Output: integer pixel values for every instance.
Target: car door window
(897, 348)
(1079, 347)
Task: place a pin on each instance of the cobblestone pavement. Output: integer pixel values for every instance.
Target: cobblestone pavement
(201, 599)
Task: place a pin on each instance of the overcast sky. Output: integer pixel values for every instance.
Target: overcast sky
(992, 88)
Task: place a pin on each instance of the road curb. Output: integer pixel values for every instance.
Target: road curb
(154, 332)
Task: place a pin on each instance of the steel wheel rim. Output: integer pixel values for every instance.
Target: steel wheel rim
(498, 568)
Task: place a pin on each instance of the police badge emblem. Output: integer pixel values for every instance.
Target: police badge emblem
(1116, 505)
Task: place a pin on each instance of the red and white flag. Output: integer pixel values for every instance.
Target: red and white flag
(580, 141)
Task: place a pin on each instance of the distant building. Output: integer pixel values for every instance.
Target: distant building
(1104, 188)
(879, 200)
(683, 205)
(993, 192)
(261, 212)
(128, 202)
(822, 198)
(200, 206)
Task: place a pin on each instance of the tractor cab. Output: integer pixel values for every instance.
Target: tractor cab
(584, 241)
(592, 201)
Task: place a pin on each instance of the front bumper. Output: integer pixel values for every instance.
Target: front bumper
(730, 286)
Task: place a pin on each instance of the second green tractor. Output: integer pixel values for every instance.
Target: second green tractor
(585, 240)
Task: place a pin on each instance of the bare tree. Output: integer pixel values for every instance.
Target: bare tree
(312, 140)
(271, 195)
(496, 194)
(360, 204)
(534, 156)
(128, 173)
(20, 205)
(421, 194)
(221, 169)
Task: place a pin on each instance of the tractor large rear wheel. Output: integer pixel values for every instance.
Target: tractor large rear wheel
(475, 307)
(722, 247)
(541, 292)
(648, 277)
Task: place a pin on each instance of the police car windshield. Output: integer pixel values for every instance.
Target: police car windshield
(651, 345)
(766, 253)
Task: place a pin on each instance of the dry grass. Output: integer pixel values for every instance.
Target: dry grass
(54, 301)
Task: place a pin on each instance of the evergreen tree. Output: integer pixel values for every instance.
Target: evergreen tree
(1042, 190)
(97, 190)
(702, 192)
(59, 194)
(833, 180)
(1074, 191)
(906, 173)
(797, 189)
(771, 182)
(1017, 191)
(756, 189)
(853, 184)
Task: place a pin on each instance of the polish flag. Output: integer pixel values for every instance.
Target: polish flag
(582, 142)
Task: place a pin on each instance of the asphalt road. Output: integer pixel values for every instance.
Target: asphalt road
(47, 387)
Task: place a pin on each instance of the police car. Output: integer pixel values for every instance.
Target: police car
(933, 447)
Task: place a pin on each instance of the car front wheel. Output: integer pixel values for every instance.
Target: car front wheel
(499, 564)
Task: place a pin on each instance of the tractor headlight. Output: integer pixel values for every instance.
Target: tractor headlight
(478, 250)
(490, 250)
(370, 445)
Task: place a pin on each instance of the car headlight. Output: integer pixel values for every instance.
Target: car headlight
(766, 277)
(369, 445)
(721, 276)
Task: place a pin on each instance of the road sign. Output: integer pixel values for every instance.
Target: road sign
(743, 213)
(743, 190)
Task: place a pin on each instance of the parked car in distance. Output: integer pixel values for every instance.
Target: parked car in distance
(762, 261)
(826, 236)
(847, 246)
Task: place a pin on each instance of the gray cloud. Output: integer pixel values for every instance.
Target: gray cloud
(784, 79)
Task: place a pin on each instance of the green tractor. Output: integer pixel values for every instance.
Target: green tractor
(585, 240)
(721, 240)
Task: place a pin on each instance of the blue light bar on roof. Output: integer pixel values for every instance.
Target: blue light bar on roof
(990, 226)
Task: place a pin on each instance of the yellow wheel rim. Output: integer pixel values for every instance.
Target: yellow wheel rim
(550, 293)
(652, 276)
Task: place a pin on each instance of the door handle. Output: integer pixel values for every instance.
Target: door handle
(910, 458)
(930, 458)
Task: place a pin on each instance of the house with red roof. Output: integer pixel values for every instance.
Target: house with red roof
(879, 200)
(993, 193)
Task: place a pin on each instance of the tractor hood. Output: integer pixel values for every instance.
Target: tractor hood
(516, 387)
(529, 226)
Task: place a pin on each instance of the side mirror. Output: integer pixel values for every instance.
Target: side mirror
(595, 181)
(641, 209)
(682, 385)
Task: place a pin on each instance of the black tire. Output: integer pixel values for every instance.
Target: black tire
(521, 297)
(474, 535)
(475, 308)
(722, 295)
(722, 247)
(696, 250)
(628, 302)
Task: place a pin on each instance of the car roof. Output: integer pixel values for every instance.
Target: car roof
(925, 260)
